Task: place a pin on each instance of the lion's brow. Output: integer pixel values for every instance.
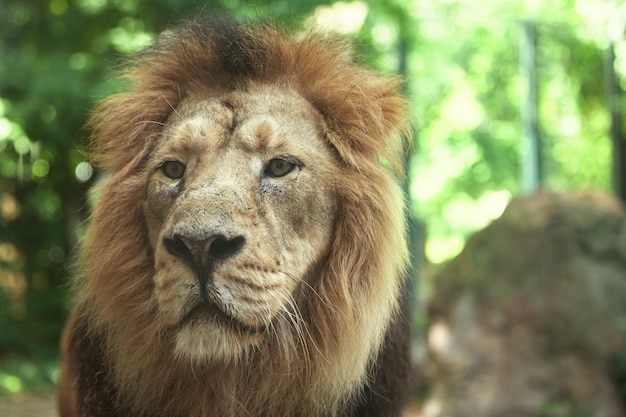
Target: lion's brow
(255, 134)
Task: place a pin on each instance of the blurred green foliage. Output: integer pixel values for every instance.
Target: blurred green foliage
(461, 63)
(468, 91)
(34, 375)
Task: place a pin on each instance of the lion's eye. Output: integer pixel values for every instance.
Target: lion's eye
(279, 168)
(173, 169)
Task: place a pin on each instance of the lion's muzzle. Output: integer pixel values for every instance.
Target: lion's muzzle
(201, 255)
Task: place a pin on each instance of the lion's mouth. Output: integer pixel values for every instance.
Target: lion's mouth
(207, 311)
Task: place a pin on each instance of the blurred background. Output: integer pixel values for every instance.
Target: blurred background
(507, 97)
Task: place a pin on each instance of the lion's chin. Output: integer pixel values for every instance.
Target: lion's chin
(206, 338)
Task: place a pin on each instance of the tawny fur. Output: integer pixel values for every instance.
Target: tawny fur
(319, 368)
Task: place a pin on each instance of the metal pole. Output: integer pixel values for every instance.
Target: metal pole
(531, 146)
(618, 170)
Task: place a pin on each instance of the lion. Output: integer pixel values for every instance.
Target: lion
(246, 254)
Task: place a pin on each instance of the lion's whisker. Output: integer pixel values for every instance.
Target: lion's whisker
(151, 122)
(172, 107)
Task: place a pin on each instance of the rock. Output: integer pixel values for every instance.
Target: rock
(524, 321)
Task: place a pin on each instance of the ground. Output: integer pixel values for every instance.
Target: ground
(29, 405)
(35, 405)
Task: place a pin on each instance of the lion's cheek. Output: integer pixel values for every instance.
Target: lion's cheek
(309, 242)
(171, 286)
(156, 206)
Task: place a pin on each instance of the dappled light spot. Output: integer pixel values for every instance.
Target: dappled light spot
(130, 36)
(78, 61)
(21, 14)
(58, 7)
(10, 383)
(5, 129)
(48, 114)
(9, 208)
(9, 254)
(92, 6)
(342, 17)
(462, 109)
(438, 337)
(40, 168)
(13, 282)
(83, 171)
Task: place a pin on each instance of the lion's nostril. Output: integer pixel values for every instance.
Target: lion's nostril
(203, 252)
(178, 247)
(222, 247)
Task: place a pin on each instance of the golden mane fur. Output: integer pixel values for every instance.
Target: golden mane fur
(316, 372)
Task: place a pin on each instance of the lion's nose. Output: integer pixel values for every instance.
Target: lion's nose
(205, 252)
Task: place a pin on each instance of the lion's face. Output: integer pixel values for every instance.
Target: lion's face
(239, 206)
(247, 252)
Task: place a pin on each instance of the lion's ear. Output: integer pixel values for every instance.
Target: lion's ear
(370, 120)
(364, 111)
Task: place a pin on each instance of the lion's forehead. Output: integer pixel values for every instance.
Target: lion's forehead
(200, 124)
(254, 121)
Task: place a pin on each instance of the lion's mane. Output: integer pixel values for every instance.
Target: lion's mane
(117, 359)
